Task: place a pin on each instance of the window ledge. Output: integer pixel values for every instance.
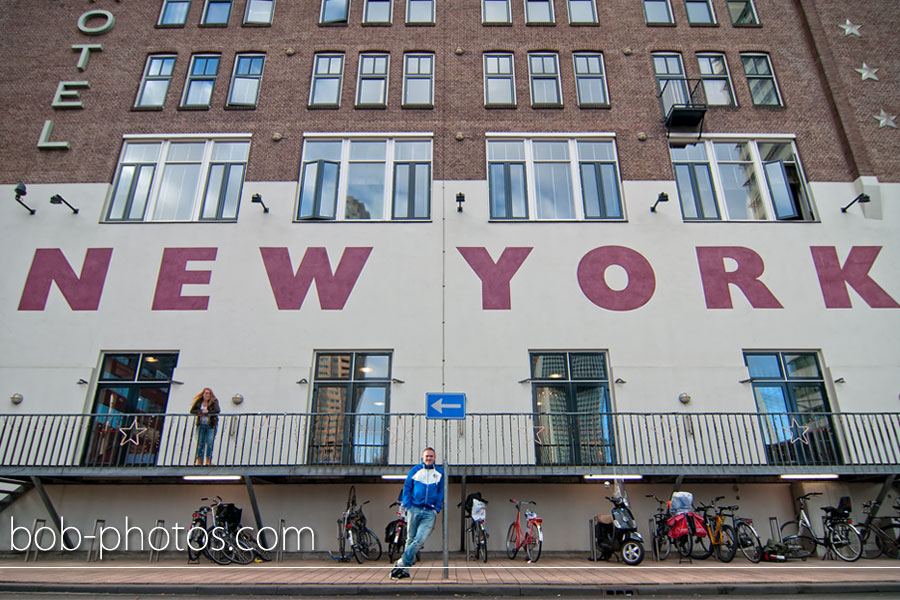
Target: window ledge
(240, 107)
(169, 26)
(557, 221)
(541, 24)
(361, 221)
(378, 24)
(132, 222)
(660, 24)
(323, 106)
(703, 24)
(500, 106)
(146, 108)
(260, 24)
(205, 107)
(213, 25)
(418, 106)
(420, 24)
(496, 24)
(543, 106)
(595, 106)
(585, 24)
(371, 106)
(335, 24)
(747, 25)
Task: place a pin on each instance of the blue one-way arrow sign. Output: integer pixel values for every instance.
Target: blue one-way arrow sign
(445, 406)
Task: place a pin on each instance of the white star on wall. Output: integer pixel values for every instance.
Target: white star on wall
(850, 29)
(885, 120)
(867, 72)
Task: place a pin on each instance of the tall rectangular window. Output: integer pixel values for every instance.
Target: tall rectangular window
(372, 85)
(377, 11)
(328, 71)
(590, 79)
(599, 173)
(495, 11)
(174, 12)
(670, 78)
(538, 11)
(742, 12)
(506, 179)
(419, 11)
(761, 79)
(543, 69)
(365, 178)
(658, 12)
(201, 79)
(259, 12)
(582, 12)
(699, 12)
(155, 81)
(716, 79)
(246, 80)
(335, 12)
(499, 80)
(216, 12)
(227, 165)
(418, 79)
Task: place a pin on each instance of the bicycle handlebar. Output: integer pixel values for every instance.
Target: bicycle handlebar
(522, 502)
(809, 495)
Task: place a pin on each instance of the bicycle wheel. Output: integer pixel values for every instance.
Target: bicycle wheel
(663, 545)
(481, 550)
(512, 540)
(703, 546)
(533, 543)
(800, 542)
(726, 550)
(748, 542)
(871, 544)
(369, 544)
(195, 541)
(215, 548)
(845, 541)
(239, 549)
(890, 541)
(342, 539)
(684, 544)
(259, 551)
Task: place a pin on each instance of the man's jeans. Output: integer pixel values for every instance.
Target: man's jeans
(420, 522)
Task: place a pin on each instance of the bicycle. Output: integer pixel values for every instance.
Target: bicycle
(684, 525)
(353, 532)
(476, 534)
(215, 541)
(840, 536)
(659, 528)
(532, 538)
(746, 538)
(720, 538)
(395, 534)
(879, 540)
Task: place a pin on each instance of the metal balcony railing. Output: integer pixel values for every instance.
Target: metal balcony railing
(683, 102)
(496, 443)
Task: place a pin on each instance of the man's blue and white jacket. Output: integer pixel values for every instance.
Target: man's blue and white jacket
(424, 488)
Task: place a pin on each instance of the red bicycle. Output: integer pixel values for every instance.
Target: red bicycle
(532, 538)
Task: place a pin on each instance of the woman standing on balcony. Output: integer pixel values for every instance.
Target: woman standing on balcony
(206, 407)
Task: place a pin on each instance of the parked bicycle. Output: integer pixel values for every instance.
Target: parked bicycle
(476, 535)
(395, 534)
(878, 540)
(354, 537)
(840, 537)
(746, 538)
(215, 539)
(720, 538)
(660, 542)
(531, 538)
(685, 526)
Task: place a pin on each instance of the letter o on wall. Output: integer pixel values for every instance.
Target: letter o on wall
(109, 21)
(592, 278)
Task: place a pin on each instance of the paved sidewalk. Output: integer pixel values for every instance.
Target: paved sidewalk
(499, 577)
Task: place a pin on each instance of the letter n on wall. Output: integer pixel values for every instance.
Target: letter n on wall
(81, 292)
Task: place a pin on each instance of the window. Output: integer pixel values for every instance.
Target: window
(351, 396)
(248, 70)
(573, 420)
(216, 12)
(741, 180)
(419, 11)
(658, 12)
(499, 80)
(328, 72)
(582, 11)
(761, 79)
(716, 79)
(201, 79)
(174, 12)
(179, 179)
(418, 79)
(155, 82)
(543, 176)
(538, 11)
(789, 390)
(699, 12)
(335, 12)
(371, 89)
(590, 79)
(366, 178)
(259, 12)
(742, 12)
(670, 78)
(543, 69)
(377, 11)
(495, 11)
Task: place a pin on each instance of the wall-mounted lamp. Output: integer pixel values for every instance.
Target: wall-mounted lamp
(395, 380)
(16, 398)
(176, 382)
(748, 380)
(526, 380)
(302, 381)
(862, 199)
(57, 199)
(257, 198)
(840, 380)
(237, 399)
(460, 199)
(21, 190)
(82, 381)
(620, 380)
(684, 398)
(663, 197)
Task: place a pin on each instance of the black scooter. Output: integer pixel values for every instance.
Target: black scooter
(617, 532)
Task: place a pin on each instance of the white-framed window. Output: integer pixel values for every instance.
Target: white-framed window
(174, 13)
(155, 81)
(418, 79)
(328, 73)
(499, 79)
(590, 79)
(216, 12)
(700, 12)
(419, 11)
(658, 12)
(179, 178)
(742, 12)
(543, 71)
(246, 80)
(716, 79)
(201, 80)
(365, 177)
(259, 12)
(670, 78)
(761, 79)
(335, 12)
(495, 11)
(582, 11)
(539, 11)
(550, 177)
(372, 83)
(740, 180)
(377, 11)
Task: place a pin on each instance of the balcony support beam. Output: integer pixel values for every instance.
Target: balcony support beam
(51, 510)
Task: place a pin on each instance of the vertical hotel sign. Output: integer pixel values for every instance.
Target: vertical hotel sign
(68, 92)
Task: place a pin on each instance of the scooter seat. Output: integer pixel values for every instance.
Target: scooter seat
(605, 519)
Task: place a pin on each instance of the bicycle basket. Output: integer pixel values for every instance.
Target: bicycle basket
(228, 514)
(678, 526)
(478, 511)
(681, 502)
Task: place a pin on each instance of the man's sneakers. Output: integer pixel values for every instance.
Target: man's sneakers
(399, 573)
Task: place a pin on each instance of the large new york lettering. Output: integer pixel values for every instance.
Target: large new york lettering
(834, 278)
(592, 278)
(50, 265)
(495, 277)
(290, 288)
(745, 277)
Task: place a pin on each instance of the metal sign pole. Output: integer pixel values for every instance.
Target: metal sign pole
(446, 478)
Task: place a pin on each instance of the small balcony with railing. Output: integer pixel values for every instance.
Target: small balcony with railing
(683, 103)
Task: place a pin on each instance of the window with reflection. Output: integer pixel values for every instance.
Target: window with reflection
(658, 12)
(716, 79)
(590, 79)
(155, 81)
(418, 79)
(259, 12)
(499, 79)
(742, 12)
(582, 12)
(201, 79)
(328, 73)
(377, 11)
(372, 84)
(495, 12)
(174, 13)
(246, 80)
(761, 79)
(216, 12)
(543, 69)
(335, 12)
(538, 11)
(699, 12)
(419, 11)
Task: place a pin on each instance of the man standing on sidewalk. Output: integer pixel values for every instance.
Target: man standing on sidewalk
(423, 498)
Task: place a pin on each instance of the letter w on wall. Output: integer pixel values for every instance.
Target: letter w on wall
(334, 289)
